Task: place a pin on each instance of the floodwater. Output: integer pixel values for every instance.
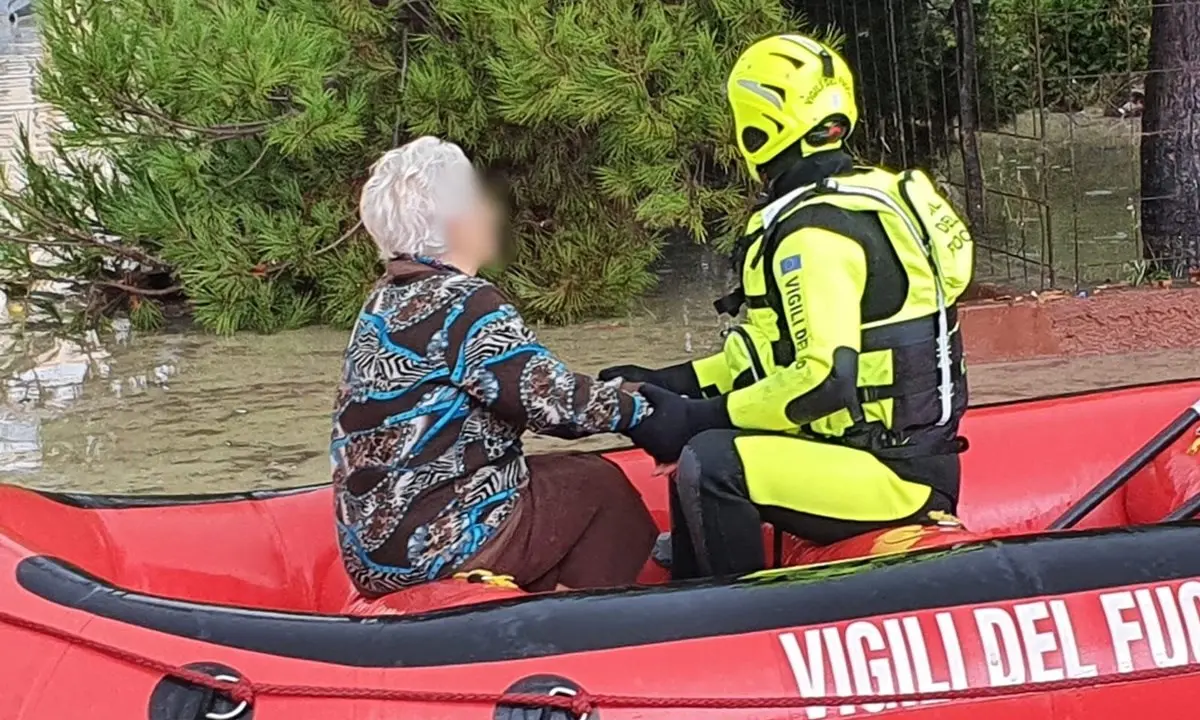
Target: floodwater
(189, 412)
(186, 412)
(182, 411)
(1063, 197)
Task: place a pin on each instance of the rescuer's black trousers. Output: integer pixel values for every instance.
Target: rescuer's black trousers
(729, 482)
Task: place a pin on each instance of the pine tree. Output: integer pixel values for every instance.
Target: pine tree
(608, 120)
(204, 148)
(214, 150)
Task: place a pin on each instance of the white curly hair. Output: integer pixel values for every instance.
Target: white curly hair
(413, 190)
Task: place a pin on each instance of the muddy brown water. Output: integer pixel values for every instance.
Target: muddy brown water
(188, 412)
(194, 413)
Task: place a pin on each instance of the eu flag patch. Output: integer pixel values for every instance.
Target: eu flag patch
(789, 264)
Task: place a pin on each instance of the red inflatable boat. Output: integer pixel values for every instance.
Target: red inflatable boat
(235, 607)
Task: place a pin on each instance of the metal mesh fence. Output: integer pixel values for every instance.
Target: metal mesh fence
(1032, 112)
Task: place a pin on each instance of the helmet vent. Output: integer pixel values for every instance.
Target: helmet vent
(777, 90)
(753, 138)
(796, 62)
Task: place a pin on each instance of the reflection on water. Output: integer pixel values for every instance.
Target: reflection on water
(19, 53)
(43, 386)
(54, 382)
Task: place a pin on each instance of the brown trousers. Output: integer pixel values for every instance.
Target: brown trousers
(579, 523)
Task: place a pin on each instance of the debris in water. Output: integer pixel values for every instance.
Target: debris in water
(162, 374)
(1049, 295)
(122, 330)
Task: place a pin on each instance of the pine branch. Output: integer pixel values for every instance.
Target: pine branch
(403, 78)
(251, 167)
(230, 131)
(334, 245)
(79, 238)
(605, 117)
(150, 292)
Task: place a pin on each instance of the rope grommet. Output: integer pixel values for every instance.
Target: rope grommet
(581, 708)
(237, 710)
(553, 696)
(207, 690)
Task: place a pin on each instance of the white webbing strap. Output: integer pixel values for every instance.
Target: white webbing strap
(944, 361)
(771, 212)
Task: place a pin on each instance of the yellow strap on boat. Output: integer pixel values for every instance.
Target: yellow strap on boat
(943, 519)
(1195, 448)
(487, 577)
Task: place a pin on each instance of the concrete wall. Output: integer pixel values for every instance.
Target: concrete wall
(1111, 321)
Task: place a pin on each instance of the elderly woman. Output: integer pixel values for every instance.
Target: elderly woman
(441, 379)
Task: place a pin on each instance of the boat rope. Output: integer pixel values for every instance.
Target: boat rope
(580, 704)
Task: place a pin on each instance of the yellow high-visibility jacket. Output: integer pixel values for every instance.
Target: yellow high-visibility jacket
(851, 331)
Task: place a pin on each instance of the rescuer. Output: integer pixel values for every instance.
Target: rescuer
(833, 408)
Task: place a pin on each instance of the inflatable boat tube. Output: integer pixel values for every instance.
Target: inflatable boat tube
(235, 607)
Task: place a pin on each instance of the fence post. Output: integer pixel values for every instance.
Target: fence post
(968, 100)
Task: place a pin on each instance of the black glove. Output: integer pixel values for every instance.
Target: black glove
(679, 378)
(675, 420)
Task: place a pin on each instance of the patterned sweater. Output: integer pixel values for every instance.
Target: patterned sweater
(441, 378)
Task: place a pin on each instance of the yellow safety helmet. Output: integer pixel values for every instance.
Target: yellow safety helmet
(790, 88)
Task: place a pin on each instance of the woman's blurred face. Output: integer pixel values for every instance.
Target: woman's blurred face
(473, 236)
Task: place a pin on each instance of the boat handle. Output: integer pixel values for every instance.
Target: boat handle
(229, 714)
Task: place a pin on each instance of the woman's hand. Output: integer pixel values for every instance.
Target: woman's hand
(679, 378)
(628, 373)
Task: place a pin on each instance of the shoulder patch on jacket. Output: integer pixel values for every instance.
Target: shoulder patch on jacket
(790, 264)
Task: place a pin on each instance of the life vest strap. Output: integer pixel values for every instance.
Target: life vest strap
(908, 333)
(731, 303)
(885, 445)
(913, 384)
(954, 446)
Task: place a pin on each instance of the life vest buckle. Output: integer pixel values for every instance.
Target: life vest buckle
(942, 519)
(731, 303)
